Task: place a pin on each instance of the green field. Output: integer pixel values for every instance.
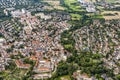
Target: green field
(16, 74)
(73, 5)
(75, 16)
(97, 16)
(111, 1)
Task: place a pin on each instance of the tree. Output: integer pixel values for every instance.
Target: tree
(118, 77)
(9, 50)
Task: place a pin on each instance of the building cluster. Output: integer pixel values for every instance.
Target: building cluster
(90, 7)
(10, 30)
(4, 57)
(20, 64)
(106, 5)
(78, 76)
(101, 39)
(43, 16)
(43, 66)
(13, 3)
(35, 38)
(19, 13)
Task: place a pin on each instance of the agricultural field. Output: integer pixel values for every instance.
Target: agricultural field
(73, 5)
(109, 15)
(112, 1)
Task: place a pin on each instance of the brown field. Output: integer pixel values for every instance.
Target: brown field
(53, 2)
(111, 17)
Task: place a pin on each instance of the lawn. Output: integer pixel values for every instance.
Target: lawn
(66, 77)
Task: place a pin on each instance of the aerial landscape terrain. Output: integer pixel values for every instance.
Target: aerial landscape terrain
(59, 39)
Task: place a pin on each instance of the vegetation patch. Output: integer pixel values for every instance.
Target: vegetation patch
(75, 16)
(72, 5)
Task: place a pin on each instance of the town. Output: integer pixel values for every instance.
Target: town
(35, 39)
(59, 40)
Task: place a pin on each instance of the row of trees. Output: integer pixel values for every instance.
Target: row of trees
(67, 41)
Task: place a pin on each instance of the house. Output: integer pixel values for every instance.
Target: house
(78, 76)
(90, 9)
(2, 40)
(20, 64)
(2, 67)
(42, 76)
(43, 66)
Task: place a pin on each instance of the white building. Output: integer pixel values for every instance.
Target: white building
(19, 13)
(16, 13)
(2, 40)
(90, 9)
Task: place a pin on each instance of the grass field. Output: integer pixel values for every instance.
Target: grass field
(111, 1)
(75, 16)
(73, 5)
